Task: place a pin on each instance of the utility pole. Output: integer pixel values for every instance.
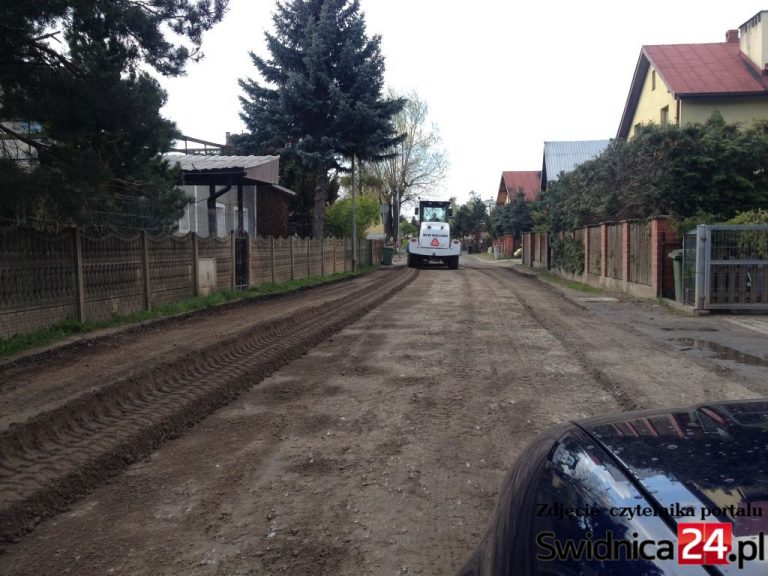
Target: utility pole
(354, 219)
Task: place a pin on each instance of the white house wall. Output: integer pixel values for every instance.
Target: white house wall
(195, 218)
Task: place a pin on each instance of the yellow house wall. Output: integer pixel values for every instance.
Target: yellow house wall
(652, 101)
(733, 110)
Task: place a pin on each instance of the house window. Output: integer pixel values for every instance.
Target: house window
(664, 119)
(653, 79)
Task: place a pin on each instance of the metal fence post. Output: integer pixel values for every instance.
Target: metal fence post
(702, 266)
(79, 279)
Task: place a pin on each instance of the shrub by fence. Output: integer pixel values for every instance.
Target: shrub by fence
(49, 278)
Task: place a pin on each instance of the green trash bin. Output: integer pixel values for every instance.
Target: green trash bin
(386, 255)
(677, 270)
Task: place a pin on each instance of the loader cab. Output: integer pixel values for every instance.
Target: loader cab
(429, 211)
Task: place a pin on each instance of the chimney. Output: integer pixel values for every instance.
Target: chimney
(732, 36)
(753, 39)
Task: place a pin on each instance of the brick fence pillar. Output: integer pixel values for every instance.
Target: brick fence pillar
(604, 249)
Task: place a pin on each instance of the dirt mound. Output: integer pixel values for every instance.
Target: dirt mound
(56, 456)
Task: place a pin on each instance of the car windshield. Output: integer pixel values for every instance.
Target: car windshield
(434, 214)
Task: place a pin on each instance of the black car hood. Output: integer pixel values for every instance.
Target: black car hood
(711, 459)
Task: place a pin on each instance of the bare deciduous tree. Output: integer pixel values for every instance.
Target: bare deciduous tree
(417, 165)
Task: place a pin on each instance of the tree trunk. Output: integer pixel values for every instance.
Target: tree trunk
(388, 228)
(396, 219)
(321, 196)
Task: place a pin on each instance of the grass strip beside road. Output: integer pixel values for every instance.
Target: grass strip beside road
(570, 284)
(62, 330)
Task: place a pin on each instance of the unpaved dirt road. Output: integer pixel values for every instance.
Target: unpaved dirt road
(376, 449)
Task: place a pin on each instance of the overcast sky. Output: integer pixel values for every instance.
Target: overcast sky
(500, 77)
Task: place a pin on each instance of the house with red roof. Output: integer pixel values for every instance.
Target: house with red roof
(686, 83)
(513, 181)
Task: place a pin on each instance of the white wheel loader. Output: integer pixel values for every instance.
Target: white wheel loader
(434, 244)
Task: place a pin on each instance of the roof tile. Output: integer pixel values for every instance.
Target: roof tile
(719, 68)
(528, 181)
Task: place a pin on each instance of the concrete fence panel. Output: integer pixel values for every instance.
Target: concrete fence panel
(38, 280)
(49, 278)
(114, 275)
(171, 269)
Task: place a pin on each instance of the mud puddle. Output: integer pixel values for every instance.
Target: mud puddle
(721, 352)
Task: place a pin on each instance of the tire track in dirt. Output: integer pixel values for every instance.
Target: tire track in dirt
(566, 339)
(636, 371)
(41, 382)
(48, 461)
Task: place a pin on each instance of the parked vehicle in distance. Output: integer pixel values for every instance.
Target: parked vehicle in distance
(669, 492)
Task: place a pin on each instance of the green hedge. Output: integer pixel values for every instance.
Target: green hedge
(568, 255)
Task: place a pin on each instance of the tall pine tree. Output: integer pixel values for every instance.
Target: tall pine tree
(320, 94)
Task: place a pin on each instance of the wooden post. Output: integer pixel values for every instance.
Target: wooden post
(626, 266)
(240, 222)
(247, 257)
(272, 257)
(585, 241)
(369, 244)
(233, 256)
(603, 249)
(145, 268)
(79, 277)
(290, 251)
(196, 263)
(211, 202)
(309, 256)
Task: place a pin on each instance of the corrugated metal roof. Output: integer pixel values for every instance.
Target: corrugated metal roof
(251, 168)
(565, 156)
(706, 69)
(198, 162)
